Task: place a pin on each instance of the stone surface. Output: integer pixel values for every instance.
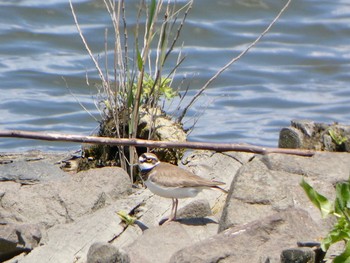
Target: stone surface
(258, 241)
(71, 242)
(106, 253)
(197, 209)
(18, 238)
(265, 212)
(154, 121)
(27, 168)
(159, 243)
(270, 183)
(307, 134)
(298, 255)
(62, 200)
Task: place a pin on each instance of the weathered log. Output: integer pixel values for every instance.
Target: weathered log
(219, 147)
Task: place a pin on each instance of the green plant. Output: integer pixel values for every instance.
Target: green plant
(126, 218)
(161, 89)
(338, 138)
(340, 208)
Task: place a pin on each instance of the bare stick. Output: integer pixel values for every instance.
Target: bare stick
(195, 97)
(86, 45)
(219, 147)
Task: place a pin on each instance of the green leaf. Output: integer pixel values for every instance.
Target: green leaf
(139, 59)
(342, 201)
(334, 236)
(152, 11)
(130, 97)
(345, 256)
(126, 218)
(164, 44)
(337, 137)
(321, 202)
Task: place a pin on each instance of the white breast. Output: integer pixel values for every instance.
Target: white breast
(172, 192)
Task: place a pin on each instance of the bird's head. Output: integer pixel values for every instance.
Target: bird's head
(147, 161)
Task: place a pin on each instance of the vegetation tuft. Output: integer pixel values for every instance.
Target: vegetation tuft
(142, 76)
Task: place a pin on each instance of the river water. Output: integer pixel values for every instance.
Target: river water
(299, 70)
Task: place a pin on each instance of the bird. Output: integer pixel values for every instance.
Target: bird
(170, 181)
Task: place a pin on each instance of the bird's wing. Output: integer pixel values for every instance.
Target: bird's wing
(164, 174)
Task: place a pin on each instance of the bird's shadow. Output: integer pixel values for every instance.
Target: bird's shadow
(196, 221)
(141, 225)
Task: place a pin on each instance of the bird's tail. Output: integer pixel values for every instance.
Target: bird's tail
(221, 189)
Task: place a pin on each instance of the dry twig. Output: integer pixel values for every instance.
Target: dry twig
(199, 92)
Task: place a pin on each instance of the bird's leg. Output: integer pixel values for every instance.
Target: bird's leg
(175, 210)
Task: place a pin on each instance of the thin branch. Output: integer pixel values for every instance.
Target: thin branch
(195, 97)
(219, 147)
(86, 45)
(77, 100)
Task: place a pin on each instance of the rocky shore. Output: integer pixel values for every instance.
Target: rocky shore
(48, 215)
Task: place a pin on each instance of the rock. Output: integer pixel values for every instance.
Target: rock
(306, 134)
(258, 241)
(270, 183)
(298, 255)
(196, 209)
(27, 168)
(159, 243)
(265, 212)
(216, 166)
(106, 253)
(154, 121)
(18, 238)
(70, 242)
(62, 200)
(291, 137)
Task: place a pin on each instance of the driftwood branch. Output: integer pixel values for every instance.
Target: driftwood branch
(219, 147)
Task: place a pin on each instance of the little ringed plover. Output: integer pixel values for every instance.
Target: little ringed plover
(170, 181)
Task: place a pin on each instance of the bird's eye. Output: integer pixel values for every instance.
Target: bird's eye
(149, 160)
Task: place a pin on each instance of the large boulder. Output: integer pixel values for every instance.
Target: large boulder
(271, 183)
(62, 200)
(36, 195)
(258, 241)
(18, 238)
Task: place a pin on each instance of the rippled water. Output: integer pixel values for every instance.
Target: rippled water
(299, 70)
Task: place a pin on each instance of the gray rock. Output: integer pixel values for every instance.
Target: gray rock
(290, 137)
(258, 241)
(62, 200)
(216, 166)
(325, 166)
(159, 243)
(106, 253)
(18, 238)
(196, 209)
(305, 126)
(27, 168)
(71, 242)
(298, 255)
(270, 183)
(264, 213)
(306, 134)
